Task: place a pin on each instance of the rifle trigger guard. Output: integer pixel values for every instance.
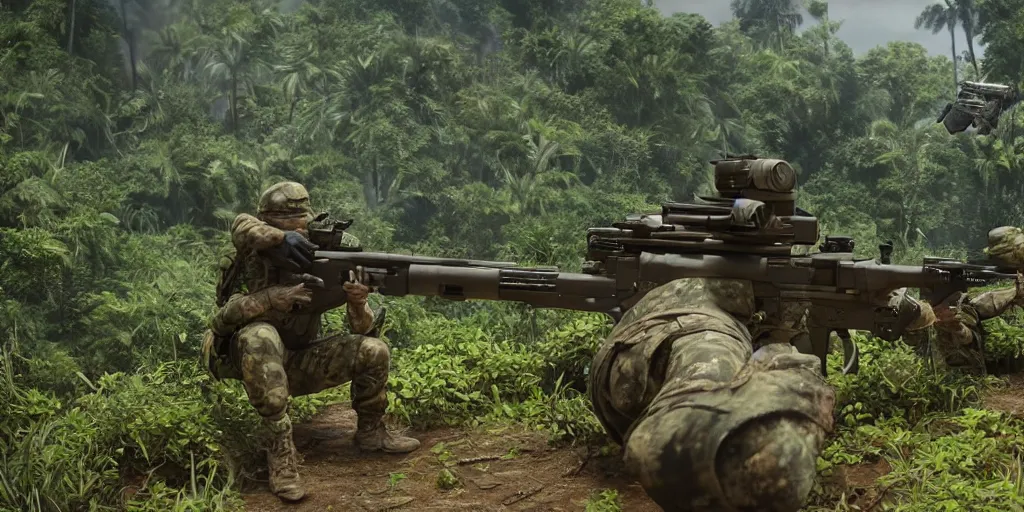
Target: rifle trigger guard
(851, 354)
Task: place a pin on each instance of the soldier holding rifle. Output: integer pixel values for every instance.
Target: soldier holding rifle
(270, 338)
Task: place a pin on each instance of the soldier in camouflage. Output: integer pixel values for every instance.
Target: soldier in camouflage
(264, 338)
(706, 423)
(716, 409)
(958, 337)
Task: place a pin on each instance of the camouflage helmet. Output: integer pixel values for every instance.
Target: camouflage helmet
(1006, 245)
(285, 200)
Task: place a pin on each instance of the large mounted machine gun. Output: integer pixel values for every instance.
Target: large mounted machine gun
(747, 231)
(978, 104)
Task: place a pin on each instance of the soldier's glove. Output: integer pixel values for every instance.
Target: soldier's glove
(289, 298)
(294, 253)
(355, 287)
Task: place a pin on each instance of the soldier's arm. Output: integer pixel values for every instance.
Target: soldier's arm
(248, 232)
(360, 316)
(358, 312)
(243, 309)
(240, 310)
(957, 332)
(993, 303)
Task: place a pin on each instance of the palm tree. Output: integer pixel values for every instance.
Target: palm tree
(967, 13)
(298, 72)
(906, 188)
(818, 9)
(232, 64)
(777, 19)
(946, 16)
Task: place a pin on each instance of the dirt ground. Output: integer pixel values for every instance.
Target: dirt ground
(1008, 399)
(497, 470)
(504, 469)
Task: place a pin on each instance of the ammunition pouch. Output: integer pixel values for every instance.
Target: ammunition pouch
(214, 357)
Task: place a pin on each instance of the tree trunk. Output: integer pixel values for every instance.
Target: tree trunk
(970, 47)
(71, 31)
(952, 37)
(130, 39)
(291, 108)
(233, 100)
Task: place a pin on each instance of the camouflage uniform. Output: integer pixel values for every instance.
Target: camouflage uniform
(958, 336)
(1006, 246)
(706, 424)
(275, 349)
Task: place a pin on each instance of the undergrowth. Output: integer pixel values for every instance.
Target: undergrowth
(937, 449)
(166, 437)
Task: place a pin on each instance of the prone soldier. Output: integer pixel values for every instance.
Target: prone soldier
(959, 336)
(708, 423)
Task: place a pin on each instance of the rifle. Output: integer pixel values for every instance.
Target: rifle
(746, 232)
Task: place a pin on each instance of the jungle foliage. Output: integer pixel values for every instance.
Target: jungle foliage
(131, 132)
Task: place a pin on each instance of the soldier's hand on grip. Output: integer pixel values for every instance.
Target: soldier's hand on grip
(294, 253)
(355, 287)
(289, 298)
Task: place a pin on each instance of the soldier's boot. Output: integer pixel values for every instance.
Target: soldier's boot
(373, 436)
(282, 461)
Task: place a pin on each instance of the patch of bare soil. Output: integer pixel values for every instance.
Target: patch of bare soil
(1009, 398)
(497, 470)
(857, 482)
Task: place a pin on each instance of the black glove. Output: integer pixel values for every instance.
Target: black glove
(294, 253)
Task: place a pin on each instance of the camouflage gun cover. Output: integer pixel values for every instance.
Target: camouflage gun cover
(746, 232)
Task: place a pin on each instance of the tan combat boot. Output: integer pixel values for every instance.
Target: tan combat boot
(373, 436)
(282, 461)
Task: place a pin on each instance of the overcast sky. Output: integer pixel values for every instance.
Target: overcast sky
(866, 23)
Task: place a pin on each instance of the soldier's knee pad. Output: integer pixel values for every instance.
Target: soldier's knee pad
(374, 353)
(273, 403)
(260, 339)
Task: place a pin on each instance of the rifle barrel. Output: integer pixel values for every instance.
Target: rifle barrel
(370, 258)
